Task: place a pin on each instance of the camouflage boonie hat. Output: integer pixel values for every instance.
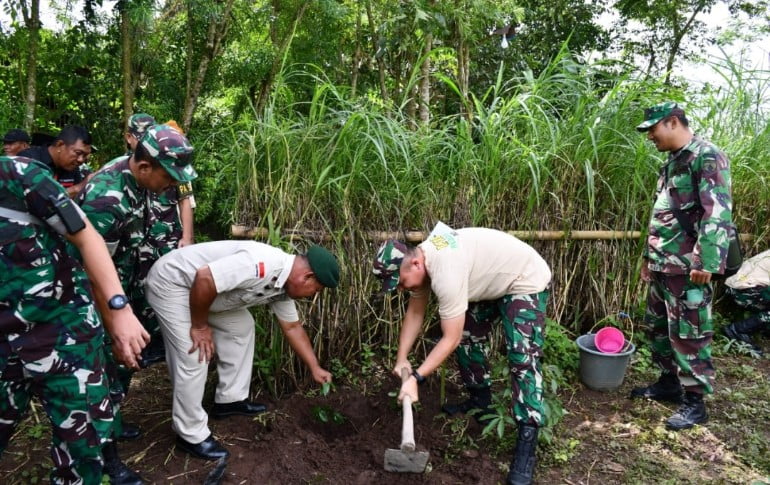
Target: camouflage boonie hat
(138, 124)
(387, 263)
(172, 150)
(658, 112)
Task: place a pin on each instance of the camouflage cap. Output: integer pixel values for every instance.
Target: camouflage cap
(172, 150)
(138, 124)
(658, 112)
(387, 263)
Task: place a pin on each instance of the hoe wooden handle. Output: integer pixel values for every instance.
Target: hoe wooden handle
(407, 427)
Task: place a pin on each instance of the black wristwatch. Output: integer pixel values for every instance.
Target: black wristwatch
(117, 302)
(420, 379)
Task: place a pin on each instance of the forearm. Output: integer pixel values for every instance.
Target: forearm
(186, 216)
(437, 356)
(98, 264)
(452, 332)
(410, 327)
(300, 343)
(202, 295)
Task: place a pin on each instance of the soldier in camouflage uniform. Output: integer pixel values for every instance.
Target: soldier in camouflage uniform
(51, 338)
(693, 190)
(750, 288)
(117, 201)
(170, 226)
(480, 277)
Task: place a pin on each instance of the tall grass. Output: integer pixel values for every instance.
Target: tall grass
(554, 152)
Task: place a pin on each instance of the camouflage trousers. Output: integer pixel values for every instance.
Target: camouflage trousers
(71, 385)
(680, 328)
(756, 300)
(523, 318)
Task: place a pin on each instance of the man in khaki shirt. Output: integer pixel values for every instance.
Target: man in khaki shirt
(480, 277)
(201, 294)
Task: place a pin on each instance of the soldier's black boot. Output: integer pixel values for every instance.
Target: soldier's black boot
(118, 472)
(741, 331)
(667, 388)
(523, 464)
(479, 403)
(691, 412)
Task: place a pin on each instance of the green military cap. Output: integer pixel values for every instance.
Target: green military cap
(387, 263)
(658, 112)
(138, 124)
(172, 150)
(324, 266)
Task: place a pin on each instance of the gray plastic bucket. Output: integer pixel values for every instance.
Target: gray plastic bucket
(600, 371)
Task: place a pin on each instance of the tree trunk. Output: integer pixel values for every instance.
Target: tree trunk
(32, 21)
(356, 55)
(218, 26)
(676, 43)
(125, 64)
(425, 81)
(463, 71)
(267, 83)
(376, 46)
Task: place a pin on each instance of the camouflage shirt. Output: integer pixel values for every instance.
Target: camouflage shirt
(119, 209)
(696, 179)
(37, 271)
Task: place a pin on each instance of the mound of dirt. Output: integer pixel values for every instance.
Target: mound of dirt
(339, 438)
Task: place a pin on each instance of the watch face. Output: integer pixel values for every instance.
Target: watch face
(117, 302)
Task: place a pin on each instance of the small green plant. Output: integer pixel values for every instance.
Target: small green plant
(37, 430)
(328, 415)
(367, 357)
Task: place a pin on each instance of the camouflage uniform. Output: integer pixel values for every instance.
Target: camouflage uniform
(117, 207)
(164, 231)
(696, 180)
(51, 338)
(523, 318)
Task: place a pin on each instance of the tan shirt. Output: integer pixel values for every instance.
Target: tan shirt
(246, 273)
(478, 264)
(754, 272)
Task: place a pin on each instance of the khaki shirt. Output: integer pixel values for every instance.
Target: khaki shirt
(246, 273)
(478, 264)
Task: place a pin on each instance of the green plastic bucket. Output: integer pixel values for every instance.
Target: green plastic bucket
(602, 371)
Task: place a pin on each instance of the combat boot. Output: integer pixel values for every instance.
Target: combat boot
(667, 388)
(479, 403)
(741, 331)
(118, 472)
(691, 412)
(523, 465)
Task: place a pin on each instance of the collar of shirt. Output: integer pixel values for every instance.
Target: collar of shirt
(287, 264)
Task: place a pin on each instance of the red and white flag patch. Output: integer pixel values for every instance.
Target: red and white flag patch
(260, 269)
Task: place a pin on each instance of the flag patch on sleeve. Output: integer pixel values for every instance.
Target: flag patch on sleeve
(260, 269)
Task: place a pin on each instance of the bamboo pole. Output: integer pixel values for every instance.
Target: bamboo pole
(243, 231)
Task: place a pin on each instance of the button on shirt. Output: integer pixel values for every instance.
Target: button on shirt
(245, 273)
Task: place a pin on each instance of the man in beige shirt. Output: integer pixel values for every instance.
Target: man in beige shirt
(480, 277)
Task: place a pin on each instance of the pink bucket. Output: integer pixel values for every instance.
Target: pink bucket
(609, 340)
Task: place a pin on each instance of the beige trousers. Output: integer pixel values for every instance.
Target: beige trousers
(233, 334)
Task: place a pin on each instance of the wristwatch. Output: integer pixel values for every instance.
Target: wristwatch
(117, 302)
(420, 379)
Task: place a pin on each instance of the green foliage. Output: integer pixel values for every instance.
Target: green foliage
(328, 415)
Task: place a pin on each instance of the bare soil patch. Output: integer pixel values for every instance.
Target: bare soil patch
(606, 438)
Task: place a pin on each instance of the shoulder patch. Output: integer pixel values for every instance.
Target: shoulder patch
(709, 165)
(261, 269)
